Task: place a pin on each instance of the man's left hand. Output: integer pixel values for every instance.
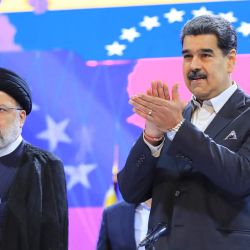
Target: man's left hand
(165, 114)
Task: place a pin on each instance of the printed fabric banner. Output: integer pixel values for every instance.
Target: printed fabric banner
(83, 65)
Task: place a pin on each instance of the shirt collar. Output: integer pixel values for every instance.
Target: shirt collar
(218, 101)
(10, 148)
(143, 206)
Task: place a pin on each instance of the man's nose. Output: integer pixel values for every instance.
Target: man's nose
(195, 63)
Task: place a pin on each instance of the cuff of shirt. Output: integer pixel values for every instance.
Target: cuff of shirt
(171, 135)
(155, 150)
(172, 132)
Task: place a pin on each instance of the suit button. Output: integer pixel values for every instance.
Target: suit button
(177, 193)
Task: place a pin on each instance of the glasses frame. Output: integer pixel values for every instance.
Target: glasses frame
(4, 109)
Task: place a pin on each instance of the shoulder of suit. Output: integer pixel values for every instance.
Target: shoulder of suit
(246, 96)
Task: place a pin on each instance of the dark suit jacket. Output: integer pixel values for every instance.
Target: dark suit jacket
(36, 209)
(201, 182)
(117, 228)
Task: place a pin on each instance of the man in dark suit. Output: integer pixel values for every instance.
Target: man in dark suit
(195, 162)
(123, 226)
(33, 197)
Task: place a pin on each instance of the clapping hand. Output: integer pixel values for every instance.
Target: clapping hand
(161, 112)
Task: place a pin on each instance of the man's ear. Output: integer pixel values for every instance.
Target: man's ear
(231, 60)
(22, 115)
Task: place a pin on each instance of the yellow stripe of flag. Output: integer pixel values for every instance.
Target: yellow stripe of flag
(7, 6)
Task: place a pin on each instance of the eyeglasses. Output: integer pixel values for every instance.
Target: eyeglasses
(5, 109)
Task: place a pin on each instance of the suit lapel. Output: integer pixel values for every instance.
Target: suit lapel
(187, 113)
(129, 224)
(228, 112)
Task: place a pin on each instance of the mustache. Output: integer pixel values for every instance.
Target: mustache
(194, 75)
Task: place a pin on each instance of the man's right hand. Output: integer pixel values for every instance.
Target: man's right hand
(158, 89)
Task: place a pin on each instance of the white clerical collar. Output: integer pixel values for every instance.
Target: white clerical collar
(10, 148)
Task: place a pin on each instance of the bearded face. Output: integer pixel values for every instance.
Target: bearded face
(12, 118)
(10, 133)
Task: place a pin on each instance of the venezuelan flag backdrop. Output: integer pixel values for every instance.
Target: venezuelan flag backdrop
(83, 61)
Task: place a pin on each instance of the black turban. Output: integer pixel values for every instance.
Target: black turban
(16, 87)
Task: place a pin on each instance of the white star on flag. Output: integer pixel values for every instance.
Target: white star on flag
(244, 28)
(174, 15)
(229, 16)
(129, 34)
(202, 11)
(150, 22)
(55, 133)
(115, 49)
(79, 174)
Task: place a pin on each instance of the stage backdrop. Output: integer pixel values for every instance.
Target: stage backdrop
(83, 65)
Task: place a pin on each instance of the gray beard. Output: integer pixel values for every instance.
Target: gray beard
(10, 134)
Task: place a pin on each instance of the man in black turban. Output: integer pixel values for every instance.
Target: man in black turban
(15, 86)
(33, 199)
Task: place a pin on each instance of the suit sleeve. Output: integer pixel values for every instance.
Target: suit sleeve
(103, 242)
(228, 169)
(136, 178)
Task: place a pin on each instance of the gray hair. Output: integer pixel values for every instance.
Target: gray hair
(211, 24)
